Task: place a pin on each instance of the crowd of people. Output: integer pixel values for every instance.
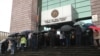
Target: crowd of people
(32, 41)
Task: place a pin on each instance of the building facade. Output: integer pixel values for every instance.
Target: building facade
(24, 12)
(95, 6)
(82, 8)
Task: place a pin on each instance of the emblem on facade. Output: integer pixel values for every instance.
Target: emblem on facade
(54, 13)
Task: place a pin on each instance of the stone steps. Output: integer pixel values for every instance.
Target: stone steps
(62, 51)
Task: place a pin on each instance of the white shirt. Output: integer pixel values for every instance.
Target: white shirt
(29, 35)
(61, 36)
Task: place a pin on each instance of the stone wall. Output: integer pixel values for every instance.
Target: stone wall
(24, 14)
(95, 7)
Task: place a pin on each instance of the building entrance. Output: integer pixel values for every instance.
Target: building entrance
(62, 34)
(73, 37)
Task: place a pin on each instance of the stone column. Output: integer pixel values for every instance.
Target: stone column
(24, 14)
(95, 8)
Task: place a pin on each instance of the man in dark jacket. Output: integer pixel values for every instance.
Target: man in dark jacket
(52, 36)
(89, 36)
(67, 38)
(78, 33)
(34, 42)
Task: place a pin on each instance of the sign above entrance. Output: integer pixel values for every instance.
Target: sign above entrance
(58, 15)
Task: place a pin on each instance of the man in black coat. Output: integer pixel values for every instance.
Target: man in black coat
(89, 36)
(52, 36)
(78, 33)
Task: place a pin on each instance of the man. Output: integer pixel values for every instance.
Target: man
(52, 36)
(78, 33)
(34, 42)
(67, 37)
(11, 45)
(29, 39)
(62, 39)
(23, 42)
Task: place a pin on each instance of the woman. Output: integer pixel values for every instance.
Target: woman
(11, 46)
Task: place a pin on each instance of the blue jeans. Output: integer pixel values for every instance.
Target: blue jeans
(67, 41)
(12, 50)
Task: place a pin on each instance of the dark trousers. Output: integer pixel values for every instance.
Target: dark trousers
(62, 42)
(46, 42)
(29, 43)
(3, 49)
(57, 42)
(52, 42)
(67, 41)
(91, 40)
(78, 40)
(23, 47)
(34, 44)
(86, 40)
(72, 42)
